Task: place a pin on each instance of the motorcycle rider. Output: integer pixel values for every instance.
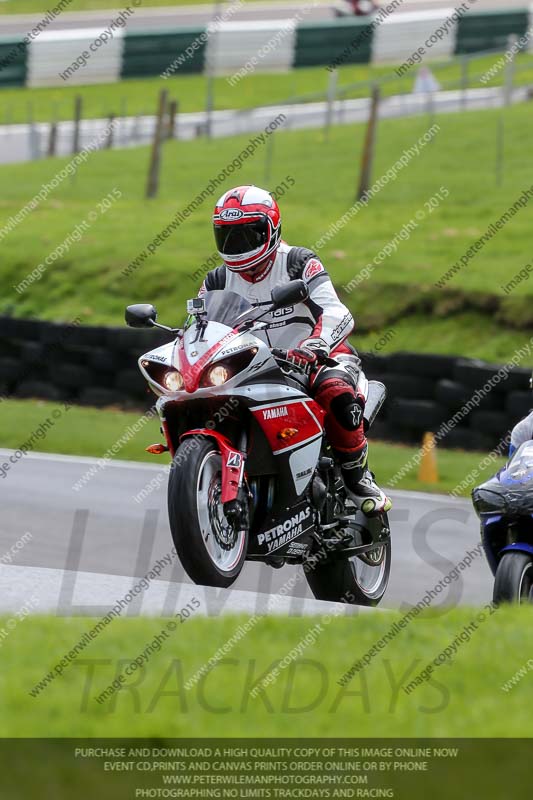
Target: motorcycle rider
(247, 227)
(522, 431)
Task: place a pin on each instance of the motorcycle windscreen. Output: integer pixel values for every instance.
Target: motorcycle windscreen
(511, 490)
(520, 467)
(225, 307)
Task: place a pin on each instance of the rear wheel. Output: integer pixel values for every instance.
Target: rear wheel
(514, 579)
(209, 546)
(358, 580)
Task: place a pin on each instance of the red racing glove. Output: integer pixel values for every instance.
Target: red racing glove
(302, 357)
(309, 354)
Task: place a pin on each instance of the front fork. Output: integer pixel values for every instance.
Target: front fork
(233, 461)
(235, 493)
(237, 502)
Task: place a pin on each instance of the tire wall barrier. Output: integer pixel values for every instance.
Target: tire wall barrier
(97, 366)
(228, 47)
(150, 54)
(490, 30)
(318, 44)
(13, 62)
(467, 403)
(94, 366)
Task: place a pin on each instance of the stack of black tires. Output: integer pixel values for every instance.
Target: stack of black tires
(426, 392)
(94, 366)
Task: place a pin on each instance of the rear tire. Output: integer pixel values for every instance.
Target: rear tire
(341, 580)
(514, 579)
(211, 552)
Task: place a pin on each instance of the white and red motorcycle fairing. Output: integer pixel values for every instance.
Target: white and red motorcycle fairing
(252, 476)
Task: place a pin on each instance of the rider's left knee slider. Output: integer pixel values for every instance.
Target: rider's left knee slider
(348, 411)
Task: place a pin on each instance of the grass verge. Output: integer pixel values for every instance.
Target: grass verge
(140, 95)
(472, 314)
(304, 696)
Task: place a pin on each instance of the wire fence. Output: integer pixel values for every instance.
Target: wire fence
(493, 71)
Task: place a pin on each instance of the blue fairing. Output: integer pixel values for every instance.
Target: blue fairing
(491, 520)
(522, 547)
(510, 492)
(490, 555)
(519, 468)
(504, 505)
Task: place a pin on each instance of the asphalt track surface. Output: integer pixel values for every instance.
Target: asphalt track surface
(100, 531)
(167, 17)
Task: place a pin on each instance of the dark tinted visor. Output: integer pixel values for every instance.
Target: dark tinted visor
(236, 240)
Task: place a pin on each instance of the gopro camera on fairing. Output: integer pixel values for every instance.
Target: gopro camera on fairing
(196, 305)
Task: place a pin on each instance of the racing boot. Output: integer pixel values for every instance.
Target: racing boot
(360, 484)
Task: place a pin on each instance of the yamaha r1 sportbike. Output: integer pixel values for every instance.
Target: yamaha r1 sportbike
(252, 475)
(504, 505)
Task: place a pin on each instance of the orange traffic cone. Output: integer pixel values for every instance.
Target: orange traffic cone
(428, 472)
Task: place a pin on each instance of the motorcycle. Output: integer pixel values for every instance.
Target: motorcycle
(252, 476)
(504, 505)
(358, 8)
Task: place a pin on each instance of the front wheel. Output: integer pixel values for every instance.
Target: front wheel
(210, 548)
(359, 580)
(514, 579)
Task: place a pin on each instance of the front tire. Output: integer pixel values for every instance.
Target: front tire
(210, 549)
(514, 579)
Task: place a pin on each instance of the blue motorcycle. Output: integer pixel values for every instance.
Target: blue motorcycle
(504, 505)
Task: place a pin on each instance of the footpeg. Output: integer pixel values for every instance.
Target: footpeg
(275, 562)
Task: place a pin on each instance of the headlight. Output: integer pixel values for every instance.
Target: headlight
(217, 375)
(173, 380)
(162, 376)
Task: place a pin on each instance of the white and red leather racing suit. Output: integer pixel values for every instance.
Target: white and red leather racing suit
(322, 316)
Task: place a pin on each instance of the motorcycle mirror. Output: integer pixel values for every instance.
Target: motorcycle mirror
(289, 293)
(140, 315)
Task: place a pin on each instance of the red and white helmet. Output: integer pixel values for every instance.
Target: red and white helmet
(247, 225)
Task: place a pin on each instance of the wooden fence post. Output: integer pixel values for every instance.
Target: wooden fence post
(52, 140)
(152, 186)
(110, 135)
(172, 115)
(77, 121)
(368, 147)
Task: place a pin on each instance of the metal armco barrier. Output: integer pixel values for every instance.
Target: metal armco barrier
(227, 47)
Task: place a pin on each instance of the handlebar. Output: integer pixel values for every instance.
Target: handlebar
(281, 355)
(323, 360)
